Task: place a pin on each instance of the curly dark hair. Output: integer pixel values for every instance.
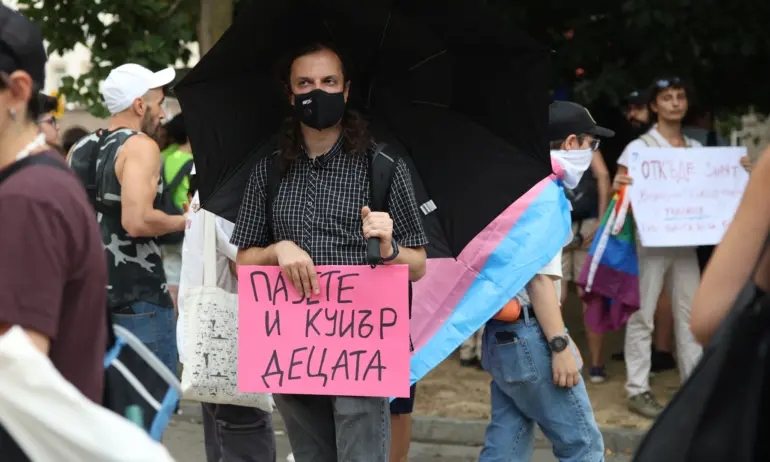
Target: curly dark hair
(355, 127)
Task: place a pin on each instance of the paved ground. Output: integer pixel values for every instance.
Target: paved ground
(185, 441)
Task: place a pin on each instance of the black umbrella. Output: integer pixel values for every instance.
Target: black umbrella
(461, 94)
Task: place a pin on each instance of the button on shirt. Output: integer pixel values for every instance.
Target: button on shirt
(318, 207)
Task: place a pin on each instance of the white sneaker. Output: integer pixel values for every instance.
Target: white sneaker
(290, 458)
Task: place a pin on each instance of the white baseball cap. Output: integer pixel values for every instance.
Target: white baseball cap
(130, 81)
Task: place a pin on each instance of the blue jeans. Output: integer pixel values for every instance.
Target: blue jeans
(523, 394)
(155, 326)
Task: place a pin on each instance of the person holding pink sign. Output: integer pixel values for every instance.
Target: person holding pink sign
(321, 216)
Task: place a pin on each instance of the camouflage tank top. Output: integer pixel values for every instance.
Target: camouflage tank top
(134, 264)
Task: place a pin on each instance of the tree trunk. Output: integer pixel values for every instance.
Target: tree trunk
(215, 18)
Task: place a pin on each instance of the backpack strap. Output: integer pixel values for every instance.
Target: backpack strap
(274, 175)
(30, 160)
(381, 170)
(180, 175)
(649, 141)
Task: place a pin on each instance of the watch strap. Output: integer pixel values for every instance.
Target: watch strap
(395, 252)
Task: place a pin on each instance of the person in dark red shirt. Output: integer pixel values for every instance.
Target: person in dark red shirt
(52, 267)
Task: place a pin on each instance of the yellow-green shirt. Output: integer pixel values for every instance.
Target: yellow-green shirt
(173, 163)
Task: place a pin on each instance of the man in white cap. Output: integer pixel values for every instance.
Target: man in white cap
(120, 167)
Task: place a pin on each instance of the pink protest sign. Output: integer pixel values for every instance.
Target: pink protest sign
(351, 340)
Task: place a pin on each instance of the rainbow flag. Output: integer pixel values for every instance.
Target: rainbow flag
(610, 276)
(458, 296)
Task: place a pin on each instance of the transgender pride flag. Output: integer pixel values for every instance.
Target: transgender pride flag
(610, 276)
(458, 296)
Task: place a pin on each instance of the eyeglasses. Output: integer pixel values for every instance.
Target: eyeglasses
(49, 120)
(595, 142)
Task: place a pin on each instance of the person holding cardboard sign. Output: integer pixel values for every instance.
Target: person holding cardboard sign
(321, 216)
(669, 103)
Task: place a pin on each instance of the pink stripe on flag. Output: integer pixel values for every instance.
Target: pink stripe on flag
(447, 279)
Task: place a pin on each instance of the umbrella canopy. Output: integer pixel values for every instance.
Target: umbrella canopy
(463, 93)
(458, 93)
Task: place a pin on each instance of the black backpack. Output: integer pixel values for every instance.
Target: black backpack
(381, 169)
(166, 203)
(584, 198)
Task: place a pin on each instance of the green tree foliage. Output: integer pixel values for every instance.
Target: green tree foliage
(153, 33)
(602, 48)
(606, 48)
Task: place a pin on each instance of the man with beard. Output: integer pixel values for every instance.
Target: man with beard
(319, 214)
(637, 112)
(120, 167)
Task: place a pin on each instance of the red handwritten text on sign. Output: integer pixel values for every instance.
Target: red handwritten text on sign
(684, 197)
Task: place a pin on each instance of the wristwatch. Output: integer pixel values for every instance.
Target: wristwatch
(559, 343)
(395, 252)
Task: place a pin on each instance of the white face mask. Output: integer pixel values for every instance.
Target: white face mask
(570, 165)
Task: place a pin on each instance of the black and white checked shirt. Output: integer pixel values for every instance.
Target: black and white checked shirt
(318, 207)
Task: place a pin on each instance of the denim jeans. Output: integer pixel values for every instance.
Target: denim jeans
(155, 326)
(237, 434)
(523, 394)
(336, 428)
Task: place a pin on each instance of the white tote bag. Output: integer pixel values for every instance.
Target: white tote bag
(210, 373)
(51, 421)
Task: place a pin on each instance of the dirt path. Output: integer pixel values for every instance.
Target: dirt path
(463, 393)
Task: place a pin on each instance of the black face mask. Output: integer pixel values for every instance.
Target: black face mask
(319, 109)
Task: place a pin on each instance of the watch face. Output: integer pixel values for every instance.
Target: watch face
(558, 344)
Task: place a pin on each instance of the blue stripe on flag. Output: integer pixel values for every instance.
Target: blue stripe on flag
(534, 240)
(620, 255)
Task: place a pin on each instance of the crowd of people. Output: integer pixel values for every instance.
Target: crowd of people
(148, 223)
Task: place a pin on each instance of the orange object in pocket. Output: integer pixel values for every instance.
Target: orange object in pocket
(510, 312)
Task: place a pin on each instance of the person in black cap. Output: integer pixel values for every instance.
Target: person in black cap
(52, 262)
(545, 389)
(571, 127)
(637, 112)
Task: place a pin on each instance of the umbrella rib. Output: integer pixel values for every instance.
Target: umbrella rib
(426, 60)
(382, 41)
(429, 103)
(326, 25)
(385, 30)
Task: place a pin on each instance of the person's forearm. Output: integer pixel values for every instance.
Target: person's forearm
(542, 294)
(604, 185)
(415, 258)
(257, 256)
(155, 223)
